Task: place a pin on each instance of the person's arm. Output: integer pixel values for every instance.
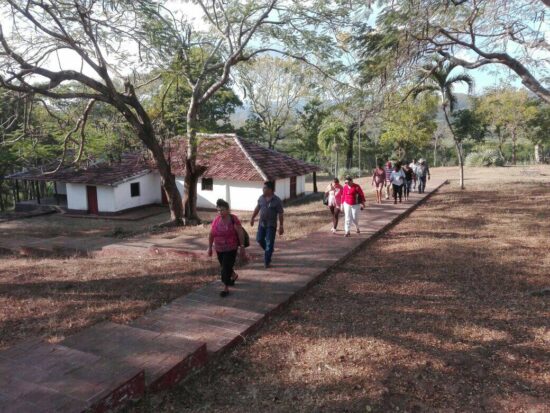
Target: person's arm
(240, 235)
(254, 215)
(428, 172)
(362, 195)
(281, 213)
(210, 243)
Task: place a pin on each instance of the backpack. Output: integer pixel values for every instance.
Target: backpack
(246, 237)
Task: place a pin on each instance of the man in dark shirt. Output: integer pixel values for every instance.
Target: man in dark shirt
(270, 207)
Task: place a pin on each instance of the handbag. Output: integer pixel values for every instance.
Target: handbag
(325, 199)
(246, 237)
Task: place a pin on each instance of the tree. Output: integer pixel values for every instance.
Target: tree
(509, 112)
(274, 87)
(117, 40)
(237, 31)
(99, 35)
(469, 125)
(410, 125)
(310, 120)
(332, 139)
(472, 34)
(539, 133)
(438, 78)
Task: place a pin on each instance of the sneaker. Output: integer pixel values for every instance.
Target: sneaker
(333, 230)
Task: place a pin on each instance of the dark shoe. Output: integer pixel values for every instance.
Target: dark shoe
(224, 293)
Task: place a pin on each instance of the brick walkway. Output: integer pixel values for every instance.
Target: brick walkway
(109, 364)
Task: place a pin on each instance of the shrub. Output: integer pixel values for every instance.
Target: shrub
(353, 172)
(485, 157)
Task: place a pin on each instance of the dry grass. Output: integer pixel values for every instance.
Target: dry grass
(52, 298)
(436, 315)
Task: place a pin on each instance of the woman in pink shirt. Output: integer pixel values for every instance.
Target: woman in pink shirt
(353, 198)
(334, 194)
(227, 236)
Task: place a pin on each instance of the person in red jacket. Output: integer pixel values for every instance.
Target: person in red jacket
(353, 198)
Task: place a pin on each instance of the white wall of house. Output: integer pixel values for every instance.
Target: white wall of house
(241, 195)
(76, 197)
(106, 201)
(149, 193)
(300, 185)
(282, 188)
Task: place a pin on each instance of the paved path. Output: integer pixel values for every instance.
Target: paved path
(109, 364)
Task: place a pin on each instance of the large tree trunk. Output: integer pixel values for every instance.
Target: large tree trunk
(146, 133)
(192, 173)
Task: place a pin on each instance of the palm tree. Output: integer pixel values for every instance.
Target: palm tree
(437, 78)
(332, 138)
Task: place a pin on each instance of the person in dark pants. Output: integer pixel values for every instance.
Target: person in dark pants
(227, 236)
(270, 207)
(397, 179)
(422, 172)
(408, 180)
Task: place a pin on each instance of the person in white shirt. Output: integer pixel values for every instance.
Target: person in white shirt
(397, 179)
(413, 166)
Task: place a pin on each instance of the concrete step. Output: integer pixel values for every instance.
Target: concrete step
(40, 377)
(165, 358)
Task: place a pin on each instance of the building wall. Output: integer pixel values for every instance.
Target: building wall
(242, 196)
(149, 193)
(76, 197)
(282, 188)
(106, 201)
(301, 185)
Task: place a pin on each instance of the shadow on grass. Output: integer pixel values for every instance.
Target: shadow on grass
(428, 320)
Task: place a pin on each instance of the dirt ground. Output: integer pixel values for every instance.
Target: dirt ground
(447, 312)
(55, 297)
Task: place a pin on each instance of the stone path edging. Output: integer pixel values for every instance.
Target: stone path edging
(108, 365)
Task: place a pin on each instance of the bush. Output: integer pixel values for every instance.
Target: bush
(485, 157)
(353, 172)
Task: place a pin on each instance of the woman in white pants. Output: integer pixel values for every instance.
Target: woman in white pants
(353, 200)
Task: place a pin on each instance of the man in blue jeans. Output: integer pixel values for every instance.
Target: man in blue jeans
(270, 207)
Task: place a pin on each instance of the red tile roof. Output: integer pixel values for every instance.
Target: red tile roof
(129, 166)
(224, 156)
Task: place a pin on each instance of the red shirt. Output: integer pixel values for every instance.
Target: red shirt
(225, 234)
(349, 194)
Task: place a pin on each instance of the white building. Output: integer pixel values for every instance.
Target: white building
(235, 170)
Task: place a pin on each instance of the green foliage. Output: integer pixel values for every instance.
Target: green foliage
(310, 120)
(410, 125)
(469, 124)
(539, 125)
(353, 172)
(485, 157)
(332, 136)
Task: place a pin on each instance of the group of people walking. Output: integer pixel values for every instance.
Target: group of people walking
(396, 179)
(400, 179)
(229, 239)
